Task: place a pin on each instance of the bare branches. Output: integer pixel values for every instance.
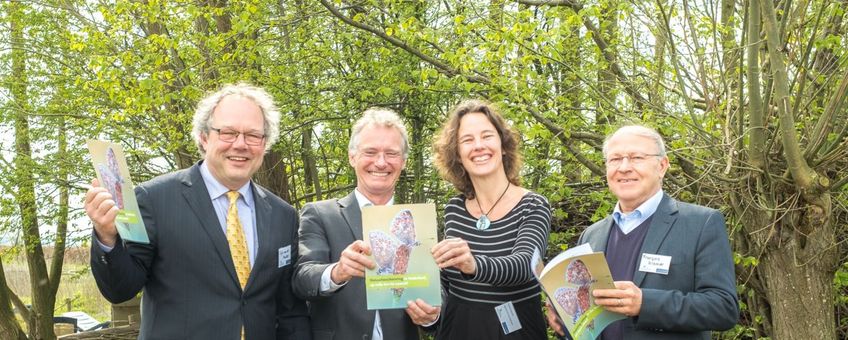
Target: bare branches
(438, 64)
(598, 38)
(560, 134)
(825, 122)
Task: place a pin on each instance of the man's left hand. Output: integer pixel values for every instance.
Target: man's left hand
(421, 313)
(625, 299)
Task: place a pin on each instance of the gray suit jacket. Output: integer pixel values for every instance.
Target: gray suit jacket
(699, 293)
(326, 228)
(191, 290)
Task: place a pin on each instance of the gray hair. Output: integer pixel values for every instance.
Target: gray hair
(637, 130)
(207, 105)
(377, 116)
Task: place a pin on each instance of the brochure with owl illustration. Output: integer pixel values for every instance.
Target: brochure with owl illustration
(113, 174)
(400, 237)
(568, 280)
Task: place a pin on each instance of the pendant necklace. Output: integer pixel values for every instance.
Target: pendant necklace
(483, 222)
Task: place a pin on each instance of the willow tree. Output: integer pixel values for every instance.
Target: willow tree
(760, 135)
(792, 164)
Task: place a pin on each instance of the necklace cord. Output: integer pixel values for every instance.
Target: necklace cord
(496, 201)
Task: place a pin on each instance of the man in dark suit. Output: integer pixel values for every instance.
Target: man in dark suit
(220, 258)
(671, 260)
(330, 270)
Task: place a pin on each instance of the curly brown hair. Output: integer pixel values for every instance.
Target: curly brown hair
(446, 146)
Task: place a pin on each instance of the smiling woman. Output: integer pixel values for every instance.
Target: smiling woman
(491, 230)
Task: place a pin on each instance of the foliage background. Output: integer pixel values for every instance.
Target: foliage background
(749, 94)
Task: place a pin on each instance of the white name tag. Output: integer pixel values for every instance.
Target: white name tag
(657, 264)
(284, 256)
(508, 318)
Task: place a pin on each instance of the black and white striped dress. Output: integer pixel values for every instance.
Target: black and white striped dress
(503, 254)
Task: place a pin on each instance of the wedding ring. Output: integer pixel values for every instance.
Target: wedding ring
(620, 302)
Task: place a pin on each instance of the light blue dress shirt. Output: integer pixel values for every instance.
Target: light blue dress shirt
(245, 204)
(629, 221)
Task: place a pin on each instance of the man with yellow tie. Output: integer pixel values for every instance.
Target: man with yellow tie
(219, 262)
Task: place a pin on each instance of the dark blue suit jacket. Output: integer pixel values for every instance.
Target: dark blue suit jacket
(191, 290)
(699, 293)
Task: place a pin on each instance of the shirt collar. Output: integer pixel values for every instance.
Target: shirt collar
(363, 201)
(644, 210)
(216, 189)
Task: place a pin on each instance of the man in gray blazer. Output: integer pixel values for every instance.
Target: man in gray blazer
(330, 270)
(671, 260)
(192, 288)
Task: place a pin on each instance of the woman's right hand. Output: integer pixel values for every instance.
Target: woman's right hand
(454, 252)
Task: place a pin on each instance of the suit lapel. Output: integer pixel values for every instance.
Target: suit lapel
(661, 223)
(197, 196)
(599, 240)
(349, 208)
(352, 215)
(263, 230)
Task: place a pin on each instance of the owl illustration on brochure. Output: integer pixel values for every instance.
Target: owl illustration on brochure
(575, 301)
(392, 251)
(112, 179)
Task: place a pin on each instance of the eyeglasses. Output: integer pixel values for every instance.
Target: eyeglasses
(230, 136)
(388, 155)
(615, 161)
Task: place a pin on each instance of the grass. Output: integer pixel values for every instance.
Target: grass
(77, 289)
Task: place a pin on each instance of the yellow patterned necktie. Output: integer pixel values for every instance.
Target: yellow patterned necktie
(236, 240)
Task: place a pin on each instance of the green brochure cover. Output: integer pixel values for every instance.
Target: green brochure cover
(568, 280)
(401, 237)
(113, 174)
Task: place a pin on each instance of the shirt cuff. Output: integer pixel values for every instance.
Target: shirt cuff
(327, 284)
(433, 322)
(103, 247)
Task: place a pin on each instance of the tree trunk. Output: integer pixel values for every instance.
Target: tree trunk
(800, 291)
(42, 298)
(274, 176)
(58, 261)
(9, 328)
(606, 78)
(310, 168)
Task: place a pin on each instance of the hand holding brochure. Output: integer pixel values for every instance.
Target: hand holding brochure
(400, 237)
(569, 279)
(113, 174)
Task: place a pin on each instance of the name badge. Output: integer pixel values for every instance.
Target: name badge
(284, 256)
(508, 318)
(657, 264)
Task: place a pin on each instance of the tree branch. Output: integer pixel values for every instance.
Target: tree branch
(825, 122)
(22, 308)
(757, 142)
(599, 41)
(441, 66)
(560, 134)
(573, 4)
(804, 177)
